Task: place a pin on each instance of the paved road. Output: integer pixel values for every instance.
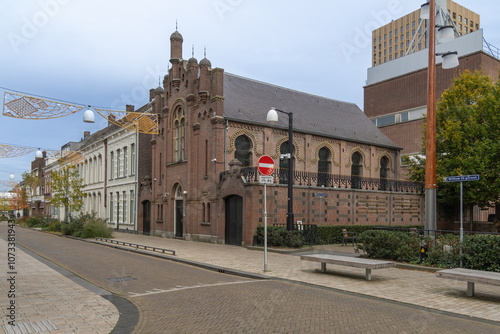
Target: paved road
(177, 298)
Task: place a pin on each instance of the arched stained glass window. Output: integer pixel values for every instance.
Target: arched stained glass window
(356, 170)
(323, 166)
(384, 172)
(243, 150)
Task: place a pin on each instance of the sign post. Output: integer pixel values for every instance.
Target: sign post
(461, 179)
(266, 168)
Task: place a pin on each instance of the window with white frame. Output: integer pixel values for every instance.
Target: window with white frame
(112, 164)
(132, 208)
(132, 159)
(124, 205)
(125, 161)
(118, 163)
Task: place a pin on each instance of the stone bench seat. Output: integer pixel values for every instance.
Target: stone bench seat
(367, 264)
(470, 276)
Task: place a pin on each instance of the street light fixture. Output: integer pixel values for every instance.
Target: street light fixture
(450, 59)
(88, 116)
(272, 117)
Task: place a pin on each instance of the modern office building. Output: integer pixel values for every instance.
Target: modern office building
(407, 34)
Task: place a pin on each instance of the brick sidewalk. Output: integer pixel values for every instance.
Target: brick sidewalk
(415, 287)
(44, 300)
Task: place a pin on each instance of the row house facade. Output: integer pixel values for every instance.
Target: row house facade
(110, 163)
(110, 171)
(213, 130)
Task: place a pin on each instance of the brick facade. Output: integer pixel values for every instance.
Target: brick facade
(188, 196)
(410, 90)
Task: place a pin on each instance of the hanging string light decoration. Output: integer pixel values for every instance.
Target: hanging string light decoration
(29, 107)
(67, 157)
(14, 151)
(143, 122)
(8, 183)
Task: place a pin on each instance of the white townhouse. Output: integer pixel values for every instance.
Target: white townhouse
(109, 171)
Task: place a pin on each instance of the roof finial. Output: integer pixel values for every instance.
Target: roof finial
(205, 51)
(159, 78)
(192, 53)
(175, 24)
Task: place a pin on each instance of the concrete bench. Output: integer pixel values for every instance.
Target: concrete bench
(356, 262)
(470, 276)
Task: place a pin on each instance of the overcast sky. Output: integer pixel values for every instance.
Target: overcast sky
(109, 53)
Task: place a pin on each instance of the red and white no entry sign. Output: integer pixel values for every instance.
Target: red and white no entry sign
(265, 165)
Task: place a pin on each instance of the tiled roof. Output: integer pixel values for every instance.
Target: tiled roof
(248, 100)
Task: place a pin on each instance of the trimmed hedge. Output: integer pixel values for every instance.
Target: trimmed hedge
(392, 245)
(278, 236)
(480, 252)
(332, 234)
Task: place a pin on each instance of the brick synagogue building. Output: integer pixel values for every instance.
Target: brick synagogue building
(212, 130)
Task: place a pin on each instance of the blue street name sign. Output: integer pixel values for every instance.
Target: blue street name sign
(320, 195)
(461, 178)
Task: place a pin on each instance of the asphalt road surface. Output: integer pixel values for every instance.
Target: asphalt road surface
(177, 298)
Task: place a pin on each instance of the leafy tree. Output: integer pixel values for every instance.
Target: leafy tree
(19, 200)
(30, 182)
(67, 189)
(467, 141)
(4, 203)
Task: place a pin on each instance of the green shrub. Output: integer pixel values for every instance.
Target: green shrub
(445, 253)
(392, 245)
(53, 225)
(4, 218)
(332, 234)
(278, 236)
(95, 228)
(86, 226)
(481, 252)
(34, 222)
(74, 227)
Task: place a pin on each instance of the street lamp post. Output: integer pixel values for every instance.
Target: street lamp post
(430, 159)
(450, 59)
(272, 117)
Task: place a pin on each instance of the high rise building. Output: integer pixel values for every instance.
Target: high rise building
(408, 34)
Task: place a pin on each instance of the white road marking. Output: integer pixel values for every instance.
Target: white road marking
(179, 287)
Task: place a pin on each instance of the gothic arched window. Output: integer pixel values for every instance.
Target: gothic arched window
(356, 170)
(179, 134)
(323, 166)
(243, 151)
(384, 171)
(284, 163)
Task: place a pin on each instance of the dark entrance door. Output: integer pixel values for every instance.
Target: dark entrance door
(234, 220)
(146, 217)
(178, 219)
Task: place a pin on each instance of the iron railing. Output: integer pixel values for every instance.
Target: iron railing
(491, 49)
(303, 178)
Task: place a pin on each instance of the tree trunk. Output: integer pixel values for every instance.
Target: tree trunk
(496, 225)
(66, 213)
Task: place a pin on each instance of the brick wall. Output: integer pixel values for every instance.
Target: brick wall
(410, 90)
